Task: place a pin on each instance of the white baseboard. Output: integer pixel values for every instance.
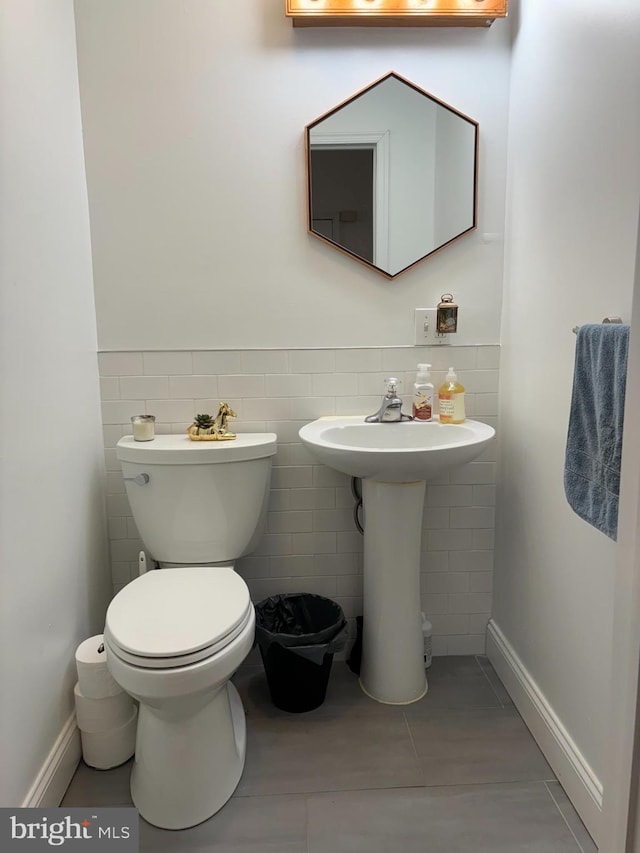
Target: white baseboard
(57, 771)
(582, 786)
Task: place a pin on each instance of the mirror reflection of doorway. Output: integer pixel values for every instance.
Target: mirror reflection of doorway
(424, 184)
(342, 193)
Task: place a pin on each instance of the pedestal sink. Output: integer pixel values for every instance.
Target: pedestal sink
(394, 461)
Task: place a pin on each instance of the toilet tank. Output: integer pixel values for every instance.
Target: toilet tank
(200, 501)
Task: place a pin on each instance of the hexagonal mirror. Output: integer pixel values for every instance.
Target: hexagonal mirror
(392, 175)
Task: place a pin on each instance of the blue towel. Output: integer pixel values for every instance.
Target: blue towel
(594, 441)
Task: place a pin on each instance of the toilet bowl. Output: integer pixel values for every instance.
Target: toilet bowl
(191, 721)
(175, 636)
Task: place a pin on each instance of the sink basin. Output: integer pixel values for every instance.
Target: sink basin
(394, 452)
(394, 461)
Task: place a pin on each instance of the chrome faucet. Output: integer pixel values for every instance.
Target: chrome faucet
(390, 410)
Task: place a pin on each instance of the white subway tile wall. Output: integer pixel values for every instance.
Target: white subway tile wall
(310, 543)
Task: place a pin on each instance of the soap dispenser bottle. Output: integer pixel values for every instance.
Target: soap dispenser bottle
(423, 394)
(451, 399)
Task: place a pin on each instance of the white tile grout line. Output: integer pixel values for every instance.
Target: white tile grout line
(557, 805)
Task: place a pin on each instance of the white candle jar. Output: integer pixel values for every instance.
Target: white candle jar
(144, 427)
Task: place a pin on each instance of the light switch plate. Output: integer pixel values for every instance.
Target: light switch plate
(425, 328)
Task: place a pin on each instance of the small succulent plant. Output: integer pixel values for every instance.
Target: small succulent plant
(203, 421)
(210, 428)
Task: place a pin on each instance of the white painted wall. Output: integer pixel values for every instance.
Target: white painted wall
(572, 207)
(54, 582)
(621, 808)
(194, 117)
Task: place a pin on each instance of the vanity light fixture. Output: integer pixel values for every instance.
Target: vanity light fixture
(395, 13)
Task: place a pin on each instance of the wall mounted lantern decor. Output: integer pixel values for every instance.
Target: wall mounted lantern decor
(391, 175)
(395, 13)
(447, 315)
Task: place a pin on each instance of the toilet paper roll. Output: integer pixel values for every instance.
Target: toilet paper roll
(94, 678)
(100, 715)
(104, 750)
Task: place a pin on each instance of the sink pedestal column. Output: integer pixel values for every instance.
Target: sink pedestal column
(392, 668)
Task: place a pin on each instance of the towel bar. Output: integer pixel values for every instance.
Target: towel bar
(605, 320)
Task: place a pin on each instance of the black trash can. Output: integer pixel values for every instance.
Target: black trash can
(298, 634)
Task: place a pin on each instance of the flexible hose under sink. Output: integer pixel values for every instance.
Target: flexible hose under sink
(356, 491)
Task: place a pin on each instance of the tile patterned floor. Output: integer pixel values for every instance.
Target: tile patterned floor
(457, 772)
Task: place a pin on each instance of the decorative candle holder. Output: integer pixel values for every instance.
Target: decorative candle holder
(144, 427)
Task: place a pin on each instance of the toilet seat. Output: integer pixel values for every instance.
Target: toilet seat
(170, 618)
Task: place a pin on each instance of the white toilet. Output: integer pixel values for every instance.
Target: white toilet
(175, 636)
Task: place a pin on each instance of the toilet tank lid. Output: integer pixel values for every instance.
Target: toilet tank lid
(180, 450)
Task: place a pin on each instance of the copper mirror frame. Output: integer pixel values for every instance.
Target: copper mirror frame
(392, 175)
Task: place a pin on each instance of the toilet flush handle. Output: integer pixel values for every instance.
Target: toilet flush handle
(139, 479)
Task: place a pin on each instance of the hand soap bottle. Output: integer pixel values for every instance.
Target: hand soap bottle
(451, 399)
(423, 394)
